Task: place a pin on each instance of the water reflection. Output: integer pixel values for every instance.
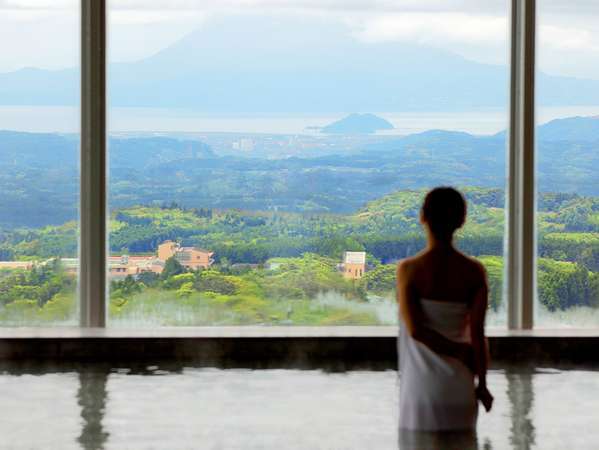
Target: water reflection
(447, 440)
(99, 407)
(521, 397)
(512, 419)
(91, 397)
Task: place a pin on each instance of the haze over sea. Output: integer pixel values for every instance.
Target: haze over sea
(65, 119)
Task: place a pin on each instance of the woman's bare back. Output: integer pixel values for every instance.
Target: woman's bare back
(445, 274)
(451, 333)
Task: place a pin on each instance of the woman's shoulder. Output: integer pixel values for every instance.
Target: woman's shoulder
(405, 269)
(468, 265)
(477, 267)
(476, 270)
(411, 268)
(409, 263)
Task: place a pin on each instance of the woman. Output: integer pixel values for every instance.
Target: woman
(442, 297)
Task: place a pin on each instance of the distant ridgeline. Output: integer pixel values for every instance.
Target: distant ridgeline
(39, 173)
(358, 124)
(294, 73)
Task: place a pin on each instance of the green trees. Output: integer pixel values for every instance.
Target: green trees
(381, 279)
(306, 291)
(149, 279)
(582, 248)
(6, 253)
(306, 277)
(563, 285)
(494, 267)
(185, 290)
(125, 288)
(270, 262)
(172, 267)
(176, 280)
(39, 284)
(214, 281)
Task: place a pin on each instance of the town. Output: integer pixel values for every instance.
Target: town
(352, 267)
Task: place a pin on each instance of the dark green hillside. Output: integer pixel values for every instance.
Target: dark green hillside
(39, 172)
(278, 267)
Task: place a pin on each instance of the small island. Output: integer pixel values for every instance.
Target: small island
(358, 124)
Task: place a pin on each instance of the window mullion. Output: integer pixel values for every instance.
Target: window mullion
(92, 253)
(521, 237)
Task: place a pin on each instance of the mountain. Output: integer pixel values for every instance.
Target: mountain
(570, 129)
(48, 151)
(358, 124)
(141, 153)
(37, 150)
(39, 173)
(294, 65)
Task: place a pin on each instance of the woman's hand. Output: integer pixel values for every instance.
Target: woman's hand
(484, 396)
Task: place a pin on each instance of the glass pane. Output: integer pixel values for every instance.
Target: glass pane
(268, 162)
(39, 162)
(568, 165)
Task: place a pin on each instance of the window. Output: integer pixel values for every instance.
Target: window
(39, 164)
(267, 164)
(568, 166)
(287, 144)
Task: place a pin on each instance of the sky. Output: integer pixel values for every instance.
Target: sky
(44, 33)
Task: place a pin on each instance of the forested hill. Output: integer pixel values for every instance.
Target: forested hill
(310, 245)
(387, 228)
(39, 173)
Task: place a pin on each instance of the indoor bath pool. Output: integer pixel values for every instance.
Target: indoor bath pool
(167, 407)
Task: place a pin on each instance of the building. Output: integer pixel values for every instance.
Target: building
(244, 144)
(354, 265)
(190, 257)
(70, 265)
(13, 265)
(119, 267)
(122, 266)
(167, 249)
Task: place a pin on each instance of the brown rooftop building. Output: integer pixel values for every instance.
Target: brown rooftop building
(190, 257)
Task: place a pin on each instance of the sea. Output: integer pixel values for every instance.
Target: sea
(65, 119)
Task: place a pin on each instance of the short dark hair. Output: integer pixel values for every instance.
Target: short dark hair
(444, 210)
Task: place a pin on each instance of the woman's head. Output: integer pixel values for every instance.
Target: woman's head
(444, 211)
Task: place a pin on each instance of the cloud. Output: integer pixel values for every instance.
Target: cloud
(443, 29)
(567, 39)
(147, 17)
(320, 5)
(435, 28)
(39, 4)
(477, 7)
(568, 34)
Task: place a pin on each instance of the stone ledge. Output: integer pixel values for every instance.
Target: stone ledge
(265, 331)
(277, 347)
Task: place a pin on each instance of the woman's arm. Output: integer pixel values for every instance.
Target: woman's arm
(411, 313)
(479, 342)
